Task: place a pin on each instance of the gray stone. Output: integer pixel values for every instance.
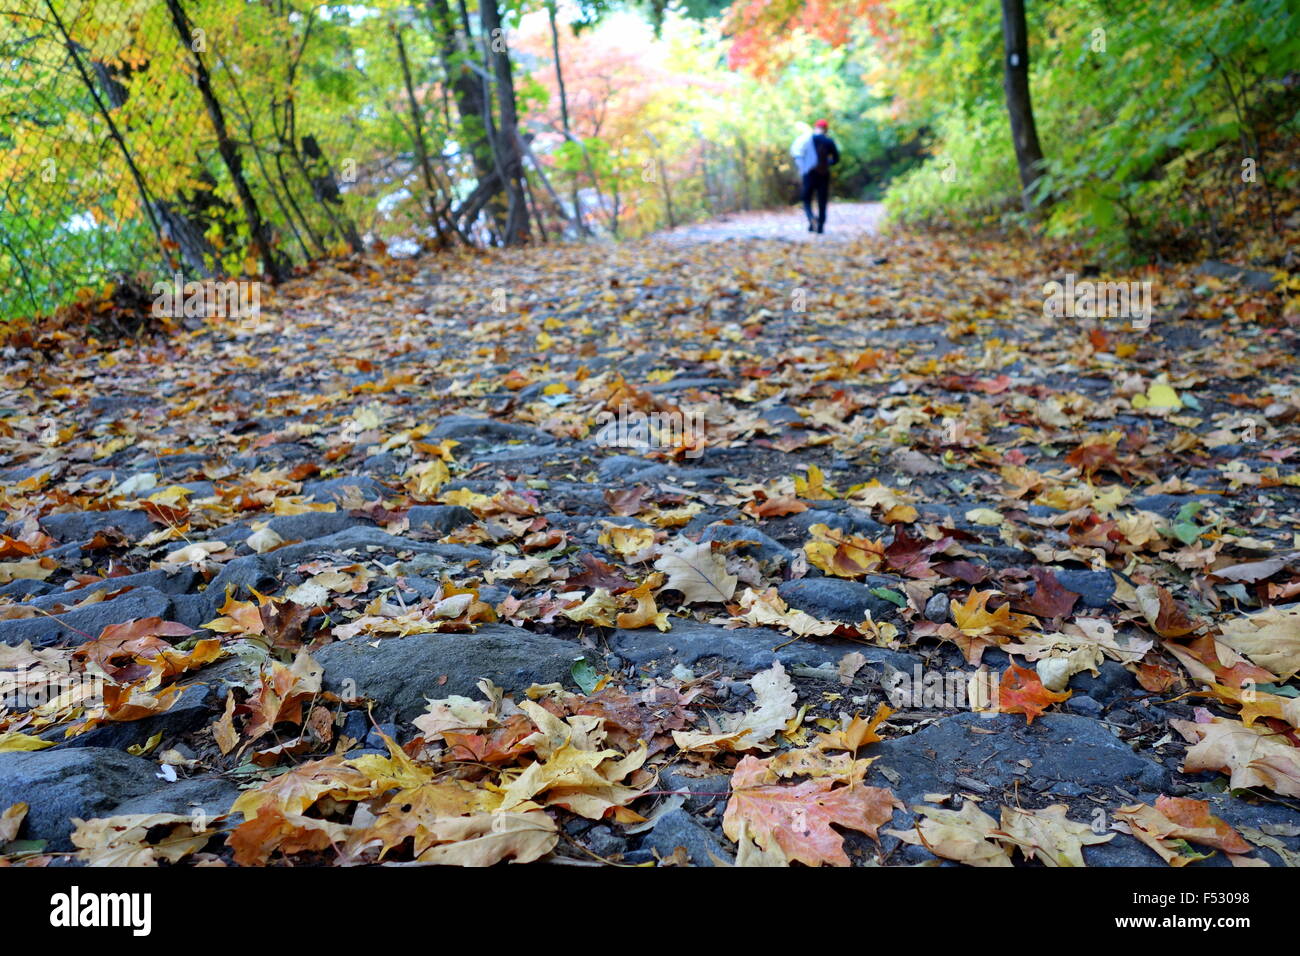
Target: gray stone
(367, 539)
(60, 784)
(75, 625)
(1060, 748)
(1083, 704)
(1168, 506)
(401, 672)
(628, 467)
(683, 382)
(314, 525)
(837, 599)
(81, 526)
(677, 828)
(1095, 588)
(261, 571)
(335, 489)
(1076, 754)
(779, 414)
(384, 464)
(210, 794)
(195, 708)
(701, 792)
(192, 610)
(845, 519)
(603, 841)
(999, 556)
(24, 589)
(1123, 850)
(764, 548)
(439, 519)
(523, 452)
(936, 609)
(467, 428)
(740, 650)
(240, 578)
(1240, 813)
(375, 736)
(1114, 681)
(1256, 280)
(356, 724)
(184, 580)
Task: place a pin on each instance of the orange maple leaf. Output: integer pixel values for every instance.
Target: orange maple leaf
(1021, 692)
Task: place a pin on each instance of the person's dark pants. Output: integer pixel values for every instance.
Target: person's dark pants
(819, 183)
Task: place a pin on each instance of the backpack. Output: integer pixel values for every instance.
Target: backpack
(823, 146)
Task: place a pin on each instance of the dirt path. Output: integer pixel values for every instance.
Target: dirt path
(844, 221)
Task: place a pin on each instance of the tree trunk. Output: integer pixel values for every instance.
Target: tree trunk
(564, 108)
(417, 138)
(226, 146)
(1024, 133)
(507, 125)
(325, 187)
(467, 91)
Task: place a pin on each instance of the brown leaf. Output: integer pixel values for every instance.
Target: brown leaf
(798, 818)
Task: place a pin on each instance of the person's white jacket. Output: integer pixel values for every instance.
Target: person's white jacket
(804, 153)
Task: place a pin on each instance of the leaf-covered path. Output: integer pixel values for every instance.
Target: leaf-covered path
(665, 551)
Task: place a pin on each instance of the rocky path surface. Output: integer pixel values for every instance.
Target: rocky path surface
(667, 552)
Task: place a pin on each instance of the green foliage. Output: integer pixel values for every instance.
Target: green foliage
(1131, 102)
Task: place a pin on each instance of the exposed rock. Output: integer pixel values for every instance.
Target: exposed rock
(763, 547)
(1256, 280)
(85, 623)
(742, 650)
(702, 792)
(81, 526)
(336, 489)
(61, 784)
(180, 582)
(677, 828)
(467, 428)
(845, 519)
(837, 599)
(313, 525)
(401, 672)
(195, 708)
(630, 468)
(1095, 588)
(1114, 682)
(1060, 747)
(439, 519)
(209, 794)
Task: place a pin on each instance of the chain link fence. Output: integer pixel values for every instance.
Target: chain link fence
(130, 151)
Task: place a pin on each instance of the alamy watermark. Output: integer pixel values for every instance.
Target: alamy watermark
(1097, 300)
(943, 689)
(75, 909)
(209, 298)
(38, 684)
(633, 428)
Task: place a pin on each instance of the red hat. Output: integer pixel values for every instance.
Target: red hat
(821, 124)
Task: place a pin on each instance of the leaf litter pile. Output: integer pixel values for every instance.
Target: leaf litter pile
(743, 553)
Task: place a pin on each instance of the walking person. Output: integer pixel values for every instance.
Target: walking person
(814, 154)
